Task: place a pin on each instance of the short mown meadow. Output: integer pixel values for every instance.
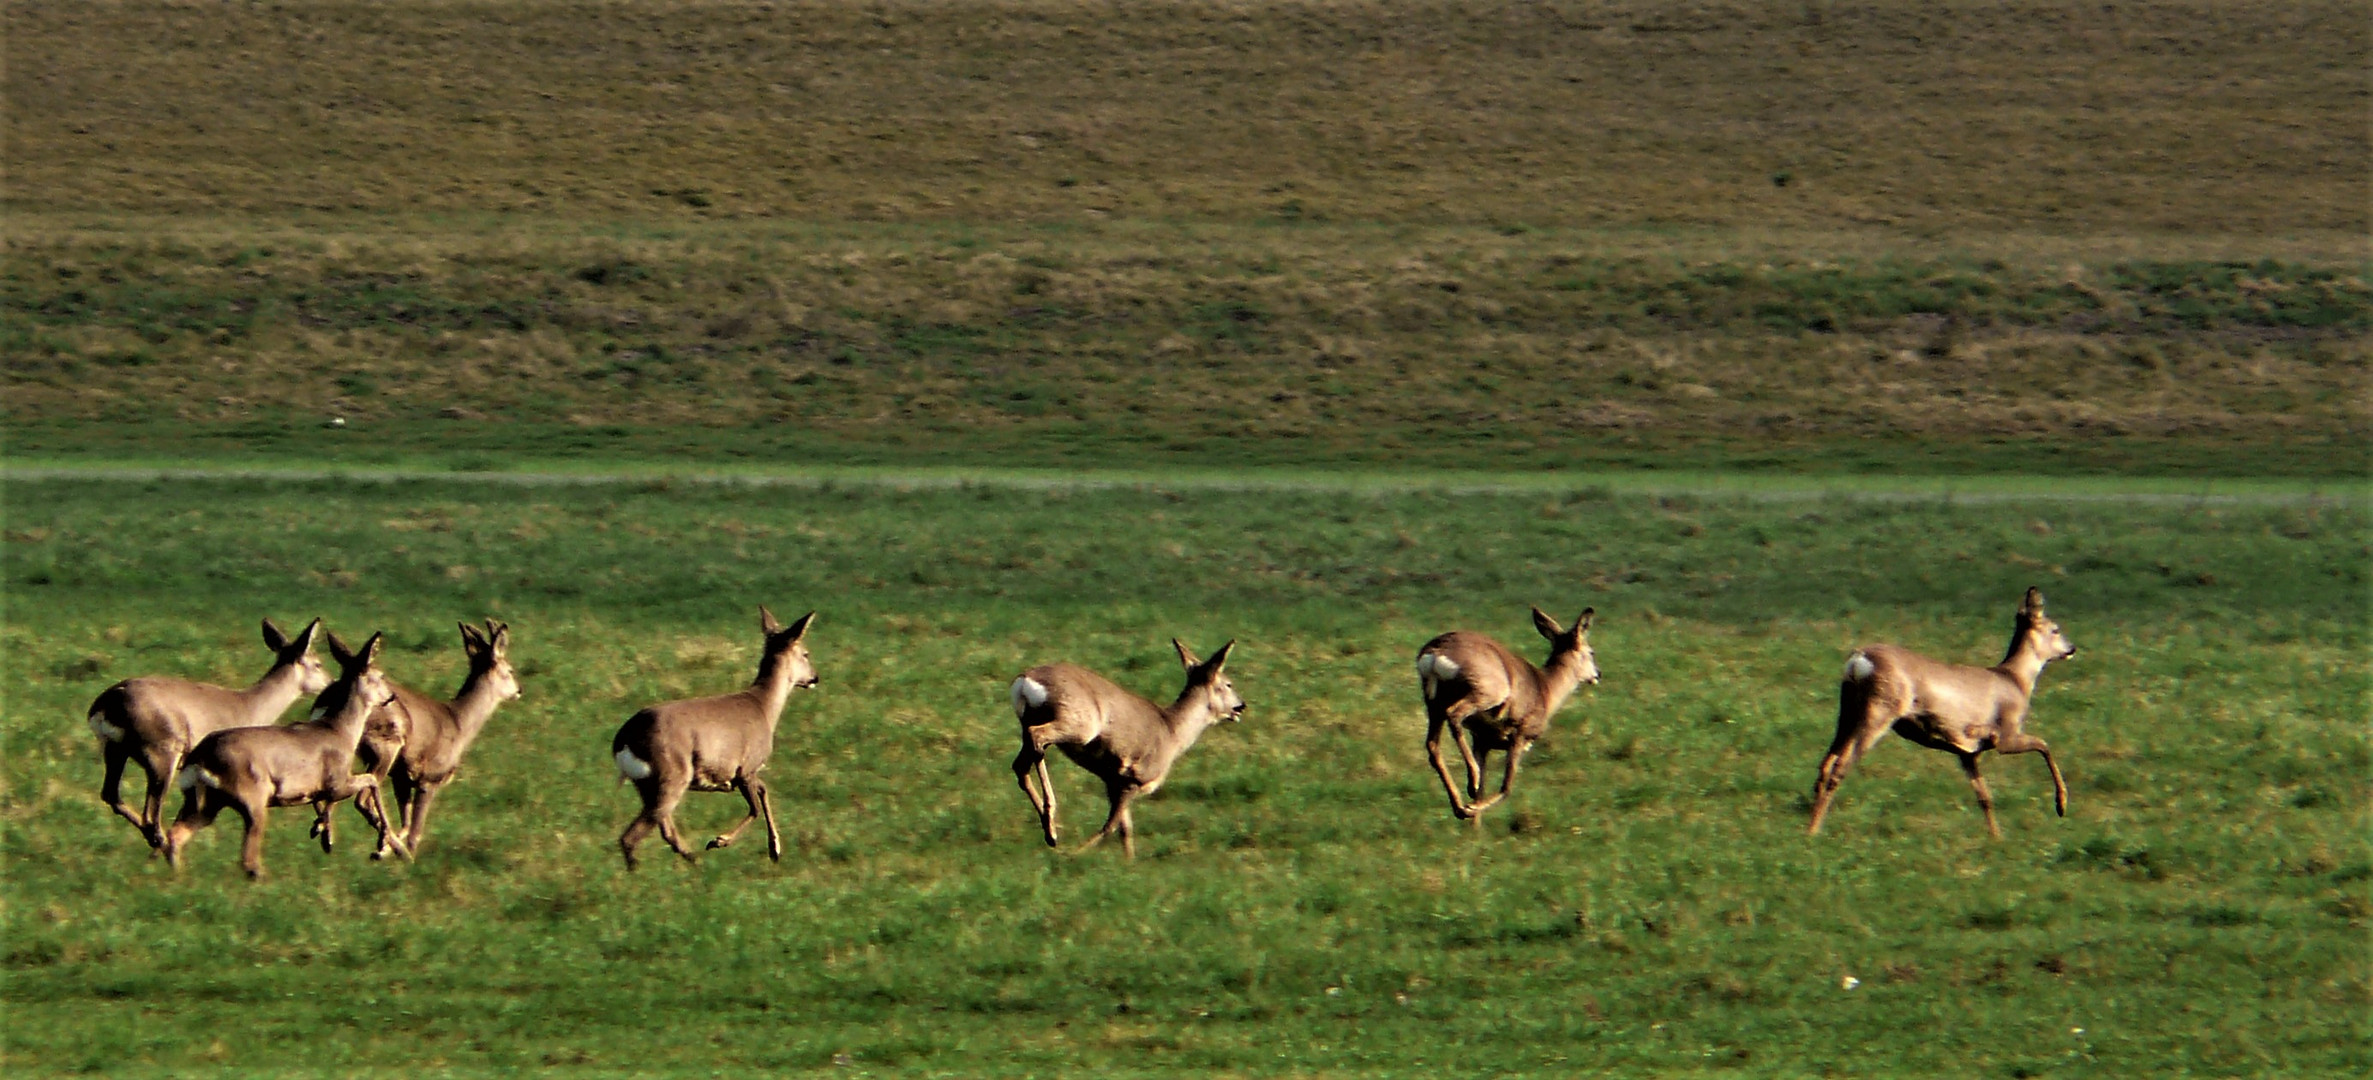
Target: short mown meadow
(1303, 902)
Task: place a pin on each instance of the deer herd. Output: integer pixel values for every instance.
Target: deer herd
(225, 751)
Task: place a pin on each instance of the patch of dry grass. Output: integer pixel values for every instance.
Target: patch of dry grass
(1377, 226)
(2195, 117)
(1269, 334)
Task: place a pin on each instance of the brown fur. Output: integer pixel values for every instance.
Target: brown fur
(156, 720)
(714, 744)
(252, 769)
(415, 743)
(1497, 700)
(1962, 710)
(1123, 739)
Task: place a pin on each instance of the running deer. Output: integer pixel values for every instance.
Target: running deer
(415, 744)
(253, 769)
(1126, 741)
(156, 720)
(713, 744)
(1492, 699)
(1962, 710)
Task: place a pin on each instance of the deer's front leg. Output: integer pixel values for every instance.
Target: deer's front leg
(251, 848)
(766, 809)
(320, 829)
(750, 796)
(2023, 743)
(363, 788)
(1119, 793)
(1515, 754)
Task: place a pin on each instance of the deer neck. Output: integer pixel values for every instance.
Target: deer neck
(347, 723)
(472, 706)
(1557, 681)
(1187, 717)
(274, 693)
(2024, 663)
(772, 689)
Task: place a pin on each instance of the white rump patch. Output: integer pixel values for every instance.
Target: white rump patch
(1434, 669)
(1859, 668)
(193, 776)
(632, 767)
(1028, 694)
(105, 730)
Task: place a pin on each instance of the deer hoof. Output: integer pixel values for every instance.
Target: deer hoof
(719, 842)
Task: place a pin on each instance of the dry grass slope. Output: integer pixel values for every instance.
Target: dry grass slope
(1302, 231)
(2174, 117)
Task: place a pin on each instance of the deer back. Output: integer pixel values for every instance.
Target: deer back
(158, 710)
(721, 735)
(1486, 669)
(1960, 702)
(1087, 707)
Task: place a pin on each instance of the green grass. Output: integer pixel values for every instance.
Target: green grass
(1304, 904)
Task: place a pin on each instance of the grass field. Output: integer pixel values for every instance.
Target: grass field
(1047, 330)
(1303, 904)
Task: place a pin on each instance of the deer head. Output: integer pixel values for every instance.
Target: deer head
(298, 654)
(1570, 647)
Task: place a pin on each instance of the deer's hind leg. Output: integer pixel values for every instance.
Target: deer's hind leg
(1433, 754)
(1453, 715)
(1029, 763)
(1859, 728)
(1977, 783)
(160, 765)
(199, 805)
(661, 793)
(115, 755)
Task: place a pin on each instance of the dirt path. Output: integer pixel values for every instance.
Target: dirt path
(1736, 485)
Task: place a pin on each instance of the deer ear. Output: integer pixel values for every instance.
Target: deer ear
(1546, 625)
(498, 638)
(273, 638)
(1186, 655)
(338, 650)
(2032, 603)
(370, 653)
(767, 623)
(304, 641)
(799, 626)
(1582, 621)
(1219, 659)
(472, 642)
